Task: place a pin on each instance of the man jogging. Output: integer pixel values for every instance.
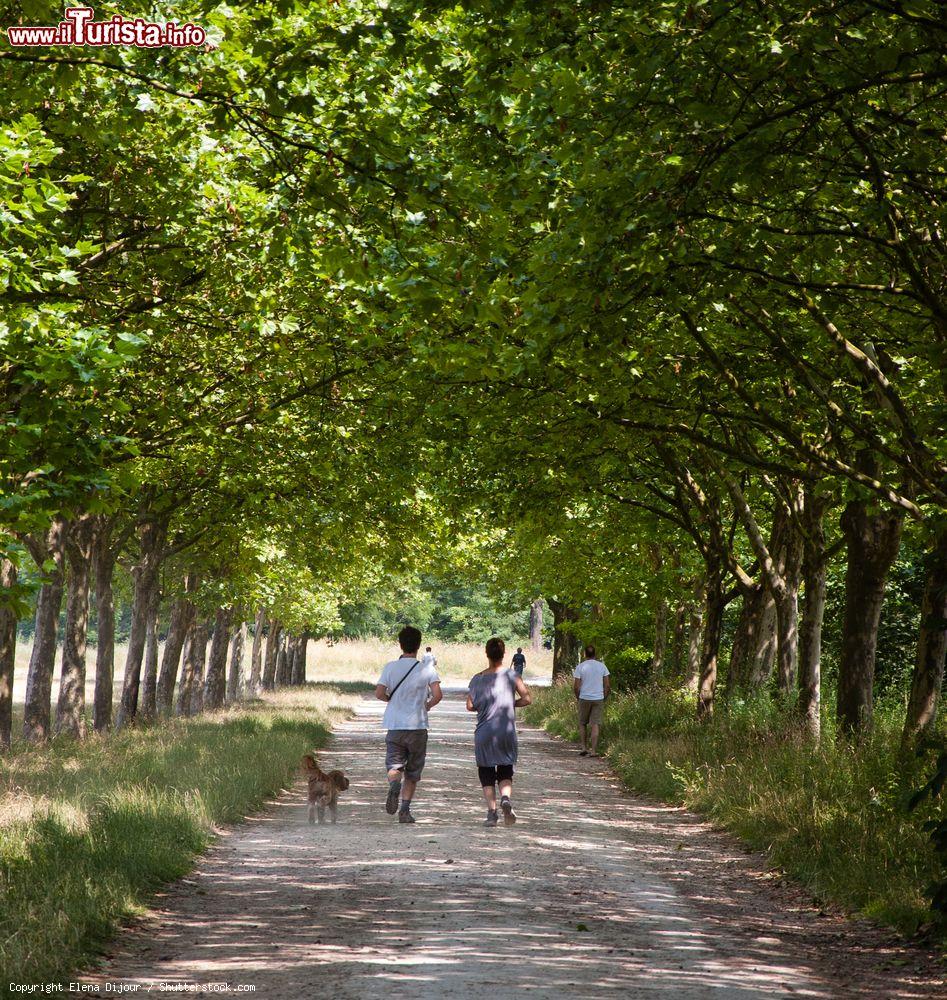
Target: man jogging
(410, 688)
(591, 687)
(519, 661)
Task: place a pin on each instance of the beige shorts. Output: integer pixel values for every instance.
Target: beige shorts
(590, 712)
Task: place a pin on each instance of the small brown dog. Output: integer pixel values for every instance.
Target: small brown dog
(323, 789)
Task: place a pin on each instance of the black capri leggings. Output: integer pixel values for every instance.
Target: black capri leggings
(489, 776)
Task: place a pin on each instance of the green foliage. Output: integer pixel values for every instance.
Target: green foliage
(451, 610)
(832, 816)
(57, 441)
(103, 826)
(629, 668)
(936, 827)
(532, 287)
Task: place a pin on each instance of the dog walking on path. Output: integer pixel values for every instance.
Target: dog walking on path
(323, 789)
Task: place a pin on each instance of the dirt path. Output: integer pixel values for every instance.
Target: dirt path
(593, 893)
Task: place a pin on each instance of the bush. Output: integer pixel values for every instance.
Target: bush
(629, 668)
(832, 815)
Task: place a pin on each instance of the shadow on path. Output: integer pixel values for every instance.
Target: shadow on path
(592, 893)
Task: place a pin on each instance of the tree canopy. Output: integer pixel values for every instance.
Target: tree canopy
(640, 308)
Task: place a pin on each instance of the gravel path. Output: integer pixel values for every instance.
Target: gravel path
(594, 893)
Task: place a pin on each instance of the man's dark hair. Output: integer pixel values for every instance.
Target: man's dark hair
(427, 649)
(519, 649)
(409, 639)
(496, 649)
(590, 651)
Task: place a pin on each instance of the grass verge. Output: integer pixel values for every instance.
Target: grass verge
(831, 816)
(88, 831)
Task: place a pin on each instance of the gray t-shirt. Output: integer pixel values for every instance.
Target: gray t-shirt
(493, 696)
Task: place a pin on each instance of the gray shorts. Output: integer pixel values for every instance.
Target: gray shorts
(405, 750)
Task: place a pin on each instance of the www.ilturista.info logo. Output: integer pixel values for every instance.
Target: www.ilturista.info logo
(79, 29)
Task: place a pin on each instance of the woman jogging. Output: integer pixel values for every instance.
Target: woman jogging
(495, 694)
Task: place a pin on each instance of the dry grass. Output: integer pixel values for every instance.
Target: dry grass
(346, 660)
(362, 660)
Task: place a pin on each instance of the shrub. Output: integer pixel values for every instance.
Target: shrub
(834, 816)
(629, 668)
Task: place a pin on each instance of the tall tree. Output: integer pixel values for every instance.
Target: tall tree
(78, 541)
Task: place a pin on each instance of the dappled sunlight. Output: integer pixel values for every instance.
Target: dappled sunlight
(592, 890)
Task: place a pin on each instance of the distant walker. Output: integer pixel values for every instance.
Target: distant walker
(591, 687)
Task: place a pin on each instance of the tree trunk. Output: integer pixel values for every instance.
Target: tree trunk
(39, 678)
(235, 676)
(536, 624)
(192, 673)
(199, 643)
(928, 676)
(273, 636)
(748, 637)
(695, 641)
(8, 623)
(151, 536)
(104, 556)
(299, 668)
(781, 562)
(762, 655)
(660, 639)
(872, 540)
(713, 619)
(678, 639)
(183, 703)
(291, 644)
(282, 661)
(565, 650)
(216, 683)
(70, 708)
(256, 655)
(183, 613)
(789, 557)
(149, 682)
(814, 564)
(292, 652)
(787, 641)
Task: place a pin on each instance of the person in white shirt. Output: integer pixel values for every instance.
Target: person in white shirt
(428, 659)
(411, 689)
(591, 687)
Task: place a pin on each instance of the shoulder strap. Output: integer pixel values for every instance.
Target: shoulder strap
(403, 679)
